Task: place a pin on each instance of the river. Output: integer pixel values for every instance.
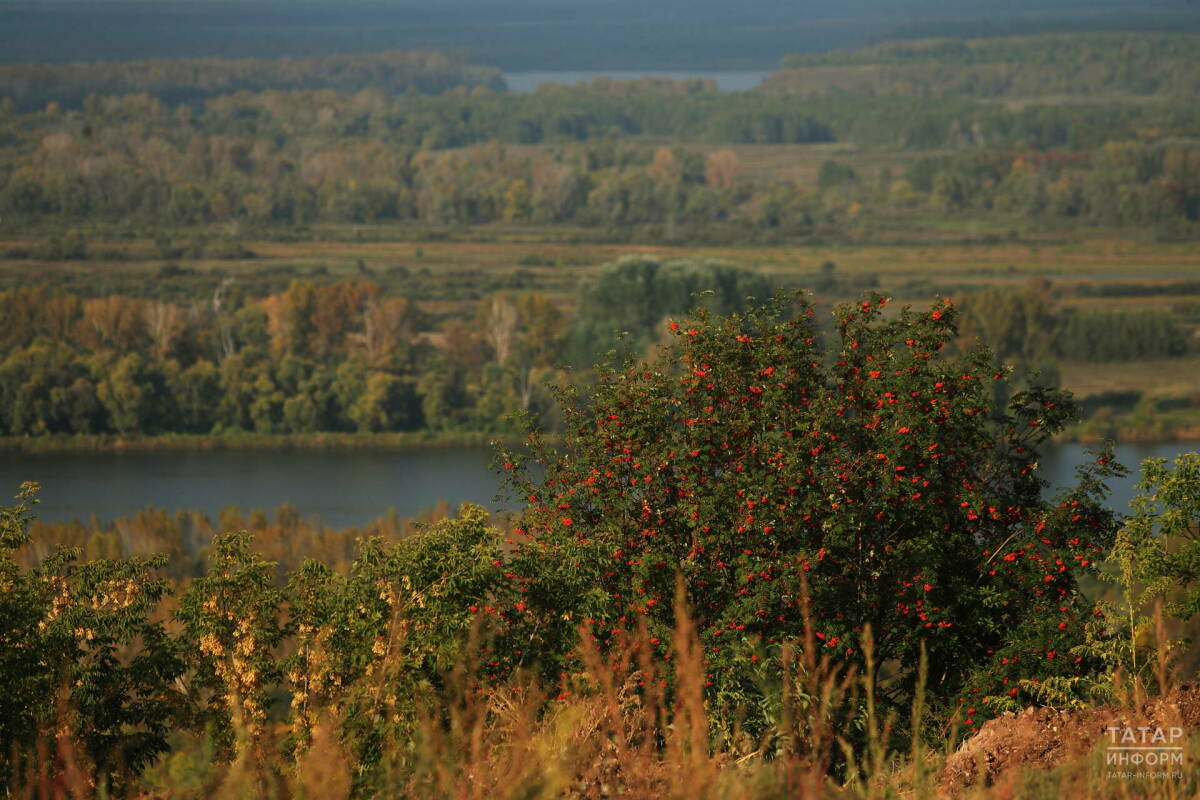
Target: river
(338, 488)
(525, 82)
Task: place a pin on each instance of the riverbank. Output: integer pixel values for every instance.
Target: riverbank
(306, 442)
(1158, 431)
(1179, 425)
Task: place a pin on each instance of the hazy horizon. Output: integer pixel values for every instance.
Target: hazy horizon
(529, 35)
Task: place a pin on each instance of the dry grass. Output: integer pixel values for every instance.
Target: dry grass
(1176, 377)
(613, 732)
(561, 266)
(284, 537)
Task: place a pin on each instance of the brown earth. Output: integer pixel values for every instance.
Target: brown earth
(1046, 737)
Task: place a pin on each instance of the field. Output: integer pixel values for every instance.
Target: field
(556, 262)
(548, 261)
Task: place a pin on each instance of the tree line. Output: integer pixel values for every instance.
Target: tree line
(193, 180)
(1031, 328)
(313, 358)
(1123, 182)
(1008, 66)
(136, 160)
(347, 356)
(191, 81)
(341, 356)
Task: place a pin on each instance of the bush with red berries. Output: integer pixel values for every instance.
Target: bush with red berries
(759, 466)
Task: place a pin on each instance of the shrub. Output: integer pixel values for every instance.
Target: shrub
(1155, 559)
(876, 478)
(82, 658)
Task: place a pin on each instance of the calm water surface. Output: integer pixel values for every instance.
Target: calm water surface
(337, 488)
(525, 82)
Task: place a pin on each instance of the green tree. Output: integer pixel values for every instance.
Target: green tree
(1021, 328)
(375, 646)
(299, 326)
(386, 404)
(131, 393)
(45, 388)
(635, 294)
(834, 173)
(232, 615)
(197, 394)
(878, 477)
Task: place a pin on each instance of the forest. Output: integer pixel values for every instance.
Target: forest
(590, 155)
(1031, 66)
(156, 189)
(174, 81)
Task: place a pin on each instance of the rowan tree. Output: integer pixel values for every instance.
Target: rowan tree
(873, 476)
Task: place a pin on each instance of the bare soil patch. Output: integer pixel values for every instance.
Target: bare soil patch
(1047, 737)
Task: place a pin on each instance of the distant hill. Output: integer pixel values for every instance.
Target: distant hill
(533, 34)
(1099, 65)
(32, 86)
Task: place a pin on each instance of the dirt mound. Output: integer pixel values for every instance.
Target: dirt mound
(1046, 737)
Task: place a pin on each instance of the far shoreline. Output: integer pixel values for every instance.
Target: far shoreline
(340, 441)
(331, 441)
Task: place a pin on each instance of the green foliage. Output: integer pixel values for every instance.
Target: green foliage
(1153, 559)
(1169, 517)
(82, 653)
(815, 502)
(340, 357)
(1020, 327)
(374, 647)
(834, 173)
(232, 614)
(371, 648)
(1029, 330)
(877, 478)
(1019, 66)
(1156, 558)
(633, 296)
(176, 81)
(1017, 326)
(1120, 336)
(248, 161)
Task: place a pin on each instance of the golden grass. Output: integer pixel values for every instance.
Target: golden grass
(1170, 377)
(1092, 258)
